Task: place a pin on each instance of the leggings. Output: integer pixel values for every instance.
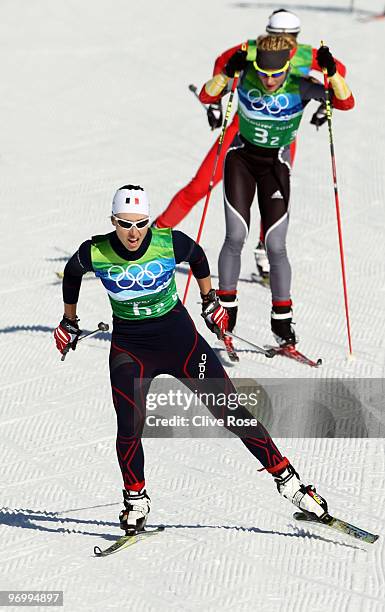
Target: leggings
(247, 169)
(170, 345)
(186, 198)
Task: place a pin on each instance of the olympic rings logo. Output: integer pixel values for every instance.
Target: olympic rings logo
(273, 104)
(145, 276)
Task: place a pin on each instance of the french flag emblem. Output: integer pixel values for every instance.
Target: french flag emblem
(136, 201)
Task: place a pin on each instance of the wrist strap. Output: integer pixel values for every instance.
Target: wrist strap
(209, 297)
(75, 320)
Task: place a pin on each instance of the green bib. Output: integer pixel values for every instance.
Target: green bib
(140, 289)
(269, 119)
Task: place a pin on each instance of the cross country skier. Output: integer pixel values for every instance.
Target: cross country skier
(271, 101)
(153, 334)
(302, 62)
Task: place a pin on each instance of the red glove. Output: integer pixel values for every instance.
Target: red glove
(67, 332)
(215, 316)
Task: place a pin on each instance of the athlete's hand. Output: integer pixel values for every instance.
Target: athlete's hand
(215, 316)
(320, 116)
(215, 115)
(236, 63)
(326, 60)
(67, 332)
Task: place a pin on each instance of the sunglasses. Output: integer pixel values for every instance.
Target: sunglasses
(271, 73)
(130, 224)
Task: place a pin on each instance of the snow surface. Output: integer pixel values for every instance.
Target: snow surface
(94, 95)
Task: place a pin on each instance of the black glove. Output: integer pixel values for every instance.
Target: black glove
(67, 333)
(320, 116)
(215, 115)
(215, 316)
(236, 63)
(326, 60)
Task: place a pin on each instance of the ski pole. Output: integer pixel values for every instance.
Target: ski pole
(194, 90)
(336, 196)
(259, 349)
(211, 184)
(102, 327)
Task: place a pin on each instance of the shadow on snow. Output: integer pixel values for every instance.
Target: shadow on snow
(23, 518)
(12, 329)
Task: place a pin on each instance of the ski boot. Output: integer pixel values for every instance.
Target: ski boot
(281, 325)
(303, 496)
(133, 517)
(261, 260)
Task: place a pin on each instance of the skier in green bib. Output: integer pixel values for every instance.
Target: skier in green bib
(303, 61)
(153, 334)
(270, 108)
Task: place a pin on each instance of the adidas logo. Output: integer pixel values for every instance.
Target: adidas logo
(277, 195)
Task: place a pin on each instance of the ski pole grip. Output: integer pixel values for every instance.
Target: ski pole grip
(324, 70)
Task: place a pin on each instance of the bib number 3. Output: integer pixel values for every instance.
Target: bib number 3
(262, 136)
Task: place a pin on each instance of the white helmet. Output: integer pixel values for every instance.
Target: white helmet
(283, 21)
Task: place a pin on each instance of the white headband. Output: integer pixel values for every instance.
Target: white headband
(131, 199)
